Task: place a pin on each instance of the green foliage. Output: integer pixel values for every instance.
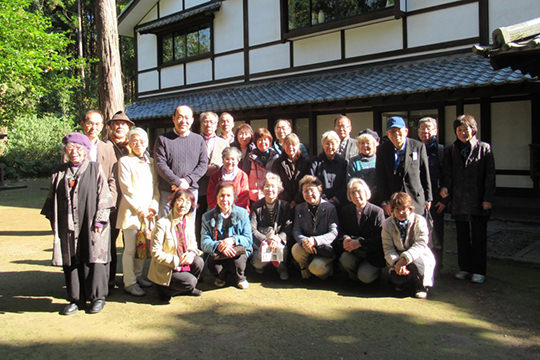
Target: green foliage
(33, 60)
(33, 146)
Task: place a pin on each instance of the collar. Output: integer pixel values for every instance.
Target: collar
(176, 132)
(209, 137)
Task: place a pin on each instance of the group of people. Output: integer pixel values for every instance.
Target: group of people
(222, 201)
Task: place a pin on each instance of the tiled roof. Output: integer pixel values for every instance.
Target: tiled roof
(421, 76)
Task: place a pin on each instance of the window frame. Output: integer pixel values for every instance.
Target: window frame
(184, 31)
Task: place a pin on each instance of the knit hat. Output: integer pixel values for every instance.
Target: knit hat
(373, 133)
(77, 138)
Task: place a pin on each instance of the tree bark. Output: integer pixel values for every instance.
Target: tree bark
(110, 91)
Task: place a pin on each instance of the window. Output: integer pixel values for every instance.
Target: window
(305, 14)
(182, 45)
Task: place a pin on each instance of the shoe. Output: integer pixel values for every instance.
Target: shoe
(243, 284)
(135, 290)
(305, 274)
(70, 309)
(421, 294)
(284, 275)
(97, 306)
(195, 292)
(478, 278)
(219, 283)
(463, 275)
(163, 295)
(144, 283)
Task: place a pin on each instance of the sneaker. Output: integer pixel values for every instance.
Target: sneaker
(195, 292)
(478, 278)
(283, 275)
(421, 294)
(135, 290)
(219, 283)
(463, 275)
(243, 284)
(305, 274)
(143, 282)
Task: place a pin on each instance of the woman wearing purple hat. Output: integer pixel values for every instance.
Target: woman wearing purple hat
(78, 206)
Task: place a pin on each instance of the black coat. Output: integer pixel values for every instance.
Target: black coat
(262, 225)
(412, 177)
(291, 174)
(333, 175)
(367, 230)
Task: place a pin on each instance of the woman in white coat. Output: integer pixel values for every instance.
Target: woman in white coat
(139, 203)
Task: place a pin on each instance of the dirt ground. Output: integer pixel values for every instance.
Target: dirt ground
(336, 319)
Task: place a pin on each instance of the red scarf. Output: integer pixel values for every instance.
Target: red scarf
(181, 242)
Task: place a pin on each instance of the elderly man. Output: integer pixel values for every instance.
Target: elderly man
(215, 146)
(347, 146)
(226, 125)
(402, 165)
(180, 158)
(428, 134)
(119, 126)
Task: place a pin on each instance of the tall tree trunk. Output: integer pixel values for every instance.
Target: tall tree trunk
(111, 94)
(80, 39)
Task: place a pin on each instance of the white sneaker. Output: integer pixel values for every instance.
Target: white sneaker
(463, 275)
(135, 290)
(478, 278)
(219, 283)
(243, 284)
(421, 294)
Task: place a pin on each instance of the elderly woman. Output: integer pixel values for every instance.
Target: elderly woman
(176, 263)
(291, 166)
(405, 238)
(360, 234)
(78, 206)
(138, 206)
(244, 142)
(271, 226)
(231, 173)
(315, 229)
(362, 166)
(331, 169)
(282, 128)
(469, 184)
(261, 159)
(226, 237)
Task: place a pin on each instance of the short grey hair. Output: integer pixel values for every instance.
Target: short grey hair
(231, 150)
(270, 176)
(330, 135)
(363, 186)
(428, 119)
(209, 114)
(139, 131)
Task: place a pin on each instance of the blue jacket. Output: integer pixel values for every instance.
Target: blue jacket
(240, 230)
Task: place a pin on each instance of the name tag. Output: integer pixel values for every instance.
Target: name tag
(414, 156)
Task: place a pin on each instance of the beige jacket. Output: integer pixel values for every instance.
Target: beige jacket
(138, 182)
(164, 248)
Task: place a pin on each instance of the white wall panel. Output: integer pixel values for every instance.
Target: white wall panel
(264, 21)
(151, 16)
(192, 3)
(421, 4)
(374, 38)
(317, 49)
(172, 76)
(168, 7)
(505, 12)
(146, 51)
(229, 65)
(269, 58)
(199, 71)
(443, 25)
(228, 27)
(511, 134)
(148, 81)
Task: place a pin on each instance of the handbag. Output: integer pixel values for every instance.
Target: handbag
(144, 240)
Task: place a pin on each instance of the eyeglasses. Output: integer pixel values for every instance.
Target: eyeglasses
(74, 147)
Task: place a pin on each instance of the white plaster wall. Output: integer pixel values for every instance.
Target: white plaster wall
(146, 51)
(317, 49)
(229, 65)
(199, 71)
(514, 181)
(506, 12)
(269, 58)
(511, 134)
(443, 25)
(152, 15)
(264, 21)
(172, 76)
(192, 3)
(421, 4)
(374, 38)
(148, 81)
(168, 7)
(228, 27)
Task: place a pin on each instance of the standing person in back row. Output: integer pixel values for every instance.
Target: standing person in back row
(402, 165)
(469, 183)
(180, 158)
(226, 126)
(347, 146)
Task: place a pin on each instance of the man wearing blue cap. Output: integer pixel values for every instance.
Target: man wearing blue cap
(402, 165)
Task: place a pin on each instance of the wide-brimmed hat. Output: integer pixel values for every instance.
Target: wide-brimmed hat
(121, 116)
